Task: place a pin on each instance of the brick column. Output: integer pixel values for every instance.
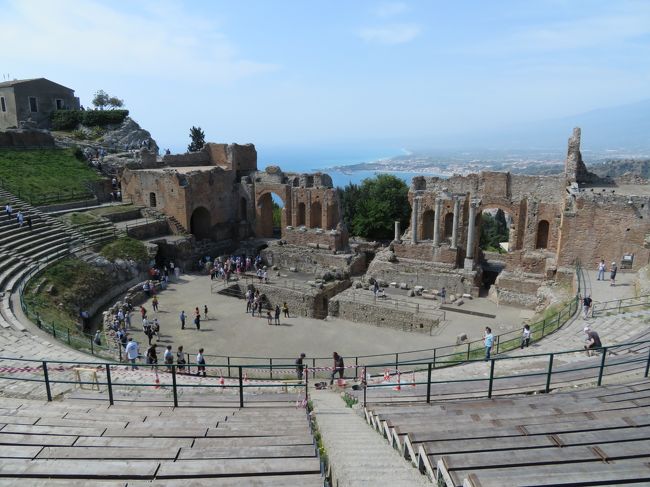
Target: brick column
(414, 220)
(436, 222)
(471, 230)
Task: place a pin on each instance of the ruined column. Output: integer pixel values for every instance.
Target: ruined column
(397, 231)
(454, 230)
(436, 222)
(414, 220)
(471, 230)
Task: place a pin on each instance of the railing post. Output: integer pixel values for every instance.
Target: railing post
(647, 365)
(228, 359)
(365, 397)
(429, 367)
(491, 383)
(619, 305)
(46, 376)
(356, 368)
(174, 386)
(270, 368)
(544, 327)
(497, 340)
(602, 366)
(468, 350)
(109, 384)
(397, 361)
(549, 373)
(306, 384)
(92, 343)
(434, 357)
(241, 388)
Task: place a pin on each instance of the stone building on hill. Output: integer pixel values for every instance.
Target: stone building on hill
(556, 221)
(32, 101)
(218, 193)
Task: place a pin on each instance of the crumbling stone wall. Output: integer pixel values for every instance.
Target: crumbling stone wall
(312, 260)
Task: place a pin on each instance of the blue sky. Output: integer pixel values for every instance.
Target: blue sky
(336, 73)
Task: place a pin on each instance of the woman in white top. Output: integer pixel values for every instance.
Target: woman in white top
(525, 336)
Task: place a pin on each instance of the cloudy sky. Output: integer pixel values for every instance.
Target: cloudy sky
(336, 72)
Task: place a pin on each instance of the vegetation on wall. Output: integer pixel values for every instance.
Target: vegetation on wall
(71, 119)
(371, 208)
(125, 248)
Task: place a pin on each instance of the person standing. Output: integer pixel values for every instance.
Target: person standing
(339, 367)
(132, 352)
(152, 356)
(300, 366)
(443, 296)
(200, 362)
(168, 357)
(586, 306)
(277, 314)
(601, 270)
(205, 312)
(525, 336)
(285, 309)
(182, 318)
(489, 342)
(29, 222)
(154, 303)
(269, 318)
(180, 359)
(612, 274)
(98, 338)
(197, 318)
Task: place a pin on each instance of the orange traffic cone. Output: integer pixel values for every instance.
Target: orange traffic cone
(222, 381)
(398, 387)
(386, 375)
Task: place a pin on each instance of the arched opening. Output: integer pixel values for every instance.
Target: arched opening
(200, 223)
(542, 235)
(152, 199)
(300, 218)
(449, 225)
(316, 215)
(270, 210)
(243, 209)
(494, 227)
(428, 218)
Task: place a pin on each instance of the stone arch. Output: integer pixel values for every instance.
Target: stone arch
(449, 225)
(300, 217)
(264, 216)
(541, 242)
(316, 215)
(201, 223)
(152, 200)
(428, 222)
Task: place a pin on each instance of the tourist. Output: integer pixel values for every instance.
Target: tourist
(132, 352)
(205, 312)
(249, 300)
(8, 210)
(601, 270)
(586, 306)
(339, 367)
(200, 362)
(489, 341)
(98, 338)
(180, 359)
(285, 309)
(592, 342)
(265, 276)
(146, 288)
(197, 318)
(152, 356)
(525, 336)
(277, 314)
(168, 358)
(155, 328)
(29, 222)
(154, 304)
(300, 366)
(182, 318)
(143, 312)
(20, 218)
(375, 287)
(612, 274)
(255, 301)
(269, 318)
(443, 295)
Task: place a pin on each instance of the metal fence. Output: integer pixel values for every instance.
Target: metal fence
(618, 305)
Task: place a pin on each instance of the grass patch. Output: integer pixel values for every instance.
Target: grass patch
(74, 285)
(35, 174)
(81, 218)
(125, 248)
(111, 210)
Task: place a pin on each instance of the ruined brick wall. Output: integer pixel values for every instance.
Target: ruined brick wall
(26, 138)
(324, 239)
(420, 251)
(311, 260)
(605, 225)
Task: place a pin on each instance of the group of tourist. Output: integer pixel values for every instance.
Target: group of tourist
(602, 269)
(256, 302)
(20, 217)
(223, 268)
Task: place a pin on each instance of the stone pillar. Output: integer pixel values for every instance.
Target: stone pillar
(436, 222)
(471, 230)
(454, 230)
(414, 220)
(397, 232)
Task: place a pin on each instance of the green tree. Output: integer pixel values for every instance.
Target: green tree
(494, 230)
(115, 102)
(277, 215)
(102, 100)
(371, 209)
(197, 136)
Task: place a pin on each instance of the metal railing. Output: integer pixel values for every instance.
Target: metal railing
(539, 379)
(617, 305)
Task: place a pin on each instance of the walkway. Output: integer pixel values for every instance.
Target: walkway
(358, 456)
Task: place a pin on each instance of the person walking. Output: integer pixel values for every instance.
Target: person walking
(612, 274)
(593, 341)
(277, 314)
(443, 296)
(180, 359)
(285, 309)
(601, 270)
(586, 306)
(200, 362)
(154, 303)
(132, 352)
(197, 318)
(168, 358)
(525, 336)
(152, 356)
(205, 312)
(182, 318)
(300, 366)
(339, 367)
(489, 342)
(269, 318)
(98, 338)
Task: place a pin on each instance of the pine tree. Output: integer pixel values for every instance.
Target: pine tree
(198, 139)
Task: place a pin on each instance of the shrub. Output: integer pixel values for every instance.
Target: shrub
(101, 118)
(65, 119)
(126, 248)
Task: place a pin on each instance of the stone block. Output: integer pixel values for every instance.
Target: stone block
(467, 296)
(461, 338)
(393, 284)
(403, 285)
(410, 293)
(459, 302)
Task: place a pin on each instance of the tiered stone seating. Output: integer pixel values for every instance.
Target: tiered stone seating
(74, 442)
(575, 438)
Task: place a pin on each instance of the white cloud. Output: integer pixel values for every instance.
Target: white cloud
(390, 9)
(390, 34)
(151, 39)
